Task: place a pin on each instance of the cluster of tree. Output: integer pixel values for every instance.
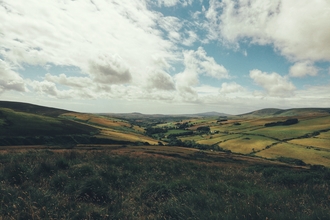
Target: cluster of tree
(150, 130)
(192, 144)
(290, 121)
(203, 129)
(182, 125)
(180, 134)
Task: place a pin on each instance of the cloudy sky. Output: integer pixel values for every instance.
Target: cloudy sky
(166, 56)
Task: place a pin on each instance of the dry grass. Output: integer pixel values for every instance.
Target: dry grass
(98, 120)
(120, 136)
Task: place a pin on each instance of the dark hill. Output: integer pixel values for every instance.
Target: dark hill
(33, 109)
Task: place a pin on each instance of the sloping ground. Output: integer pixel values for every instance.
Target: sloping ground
(272, 112)
(13, 123)
(102, 184)
(126, 136)
(33, 109)
(112, 128)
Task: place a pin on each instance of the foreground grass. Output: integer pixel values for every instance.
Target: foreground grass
(100, 185)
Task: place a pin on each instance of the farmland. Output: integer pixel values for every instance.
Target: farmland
(68, 165)
(259, 134)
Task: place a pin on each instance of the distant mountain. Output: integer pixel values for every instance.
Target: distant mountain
(210, 114)
(137, 115)
(33, 109)
(271, 112)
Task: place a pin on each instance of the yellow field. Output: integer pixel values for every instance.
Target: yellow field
(245, 145)
(215, 140)
(324, 135)
(120, 136)
(99, 120)
(309, 156)
(312, 142)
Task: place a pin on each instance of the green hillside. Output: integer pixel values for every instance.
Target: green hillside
(33, 109)
(14, 123)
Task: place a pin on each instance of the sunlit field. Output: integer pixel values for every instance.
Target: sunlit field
(247, 144)
(323, 144)
(306, 154)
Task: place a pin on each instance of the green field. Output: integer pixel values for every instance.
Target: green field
(313, 142)
(247, 144)
(306, 154)
(210, 140)
(293, 131)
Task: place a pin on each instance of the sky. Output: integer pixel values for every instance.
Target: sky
(165, 56)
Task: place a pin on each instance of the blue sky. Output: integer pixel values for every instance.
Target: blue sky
(166, 56)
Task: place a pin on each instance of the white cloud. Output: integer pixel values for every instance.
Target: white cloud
(205, 64)
(110, 70)
(50, 89)
(232, 87)
(190, 39)
(76, 82)
(161, 80)
(299, 30)
(171, 3)
(9, 79)
(197, 63)
(301, 69)
(274, 84)
(63, 33)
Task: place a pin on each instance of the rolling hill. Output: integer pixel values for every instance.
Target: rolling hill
(271, 112)
(31, 108)
(304, 142)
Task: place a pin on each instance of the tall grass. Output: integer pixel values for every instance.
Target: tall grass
(99, 185)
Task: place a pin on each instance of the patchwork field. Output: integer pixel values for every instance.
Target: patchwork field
(261, 133)
(247, 144)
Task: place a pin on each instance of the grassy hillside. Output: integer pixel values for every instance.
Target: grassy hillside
(271, 112)
(306, 141)
(116, 185)
(26, 124)
(112, 128)
(33, 109)
(212, 167)
(14, 123)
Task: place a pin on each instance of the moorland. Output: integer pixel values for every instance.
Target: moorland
(266, 164)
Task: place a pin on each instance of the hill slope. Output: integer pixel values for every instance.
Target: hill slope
(30, 108)
(271, 112)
